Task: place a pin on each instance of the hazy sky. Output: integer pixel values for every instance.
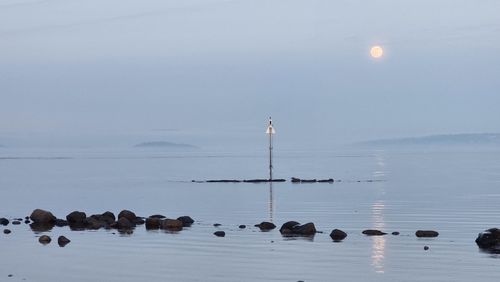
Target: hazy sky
(210, 71)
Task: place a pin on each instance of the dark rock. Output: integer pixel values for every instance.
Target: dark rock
(263, 180)
(223, 181)
(42, 216)
(426, 248)
(4, 221)
(10, 275)
(287, 227)
(76, 218)
(153, 223)
(266, 226)
(489, 240)
(158, 216)
(217, 224)
(127, 214)
(60, 222)
(62, 241)
(108, 217)
(27, 222)
(27, 217)
(186, 220)
(93, 223)
(139, 221)
(44, 239)
(329, 180)
(242, 226)
(307, 229)
(395, 233)
(41, 227)
(171, 224)
(294, 228)
(6, 231)
(16, 222)
(426, 233)
(338, 235)
(372, 232)
(220, 233)
(295, 180)
(122, 223)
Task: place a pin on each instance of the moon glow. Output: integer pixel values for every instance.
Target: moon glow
(376, 52)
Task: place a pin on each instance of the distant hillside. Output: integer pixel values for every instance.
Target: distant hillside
(164, 144)
(445, 139)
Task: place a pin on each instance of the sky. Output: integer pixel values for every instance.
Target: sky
(211, 72)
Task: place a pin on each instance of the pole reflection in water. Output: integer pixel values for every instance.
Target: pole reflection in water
(271, 210)
(378, 246)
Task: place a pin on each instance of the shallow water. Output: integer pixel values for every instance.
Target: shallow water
(453, 191)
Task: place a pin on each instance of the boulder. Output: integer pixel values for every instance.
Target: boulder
(338, 235)
(4, 221)
(42, 216)
(266, 226)
(93, 223)
(217, 224)
(395, 233)
(287, 227)
(171, 224)
(62, 241)
(127, 214)
(153, 223)
(373, 232)
(307, 229)
(6, 231)
(242, 226)
(294, 228)
(44, 239)
(186, 220)
(76, 218)
(426, 233)
(108, 217)
(16, 222)
(220, 233)
(426, 248)
(122, 223)
(489, 240)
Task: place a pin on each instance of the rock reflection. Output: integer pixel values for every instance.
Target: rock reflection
(271, 204)
(378, 247)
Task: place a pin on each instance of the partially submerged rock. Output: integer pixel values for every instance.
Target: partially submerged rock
(122, 223)
(127, 214)
(373, 232)
(186, 220)
(294, 228)
(220, 233)
(44, 239)
(42, 216)
(338, 235)
(76, 218)
(153, 223)
(6, 231)
(489, 240)
(4, 221)
(62, 241)
(266, 226)
(172, 224)
(426, 233)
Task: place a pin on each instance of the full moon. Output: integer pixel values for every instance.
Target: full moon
(376, 52)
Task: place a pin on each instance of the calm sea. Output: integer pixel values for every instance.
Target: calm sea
(453, 191)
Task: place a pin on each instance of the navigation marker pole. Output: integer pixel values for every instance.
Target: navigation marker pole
(270, 130)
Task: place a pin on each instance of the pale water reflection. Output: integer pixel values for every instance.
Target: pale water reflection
(378, 246)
